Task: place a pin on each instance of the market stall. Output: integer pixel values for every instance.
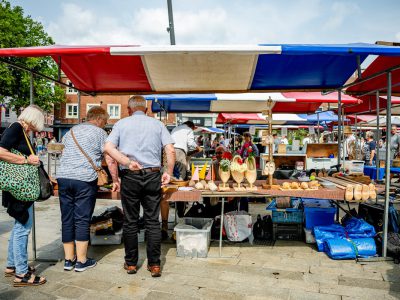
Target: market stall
(256, 68)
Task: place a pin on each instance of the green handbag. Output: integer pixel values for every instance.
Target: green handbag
(22, 181)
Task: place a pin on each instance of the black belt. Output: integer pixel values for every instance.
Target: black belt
(142, 171)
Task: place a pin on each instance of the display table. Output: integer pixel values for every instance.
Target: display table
(196, 195)
(371, 172)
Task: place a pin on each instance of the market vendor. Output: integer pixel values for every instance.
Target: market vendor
(248, 146)
(184, 142)
(218, 155)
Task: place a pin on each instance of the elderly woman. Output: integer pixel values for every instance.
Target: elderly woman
(30, 120)
(77, 181)
(369, 149)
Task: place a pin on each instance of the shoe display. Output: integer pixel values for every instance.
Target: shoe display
(358, 192)
(372, 191)
(349, 194)
(365, 192)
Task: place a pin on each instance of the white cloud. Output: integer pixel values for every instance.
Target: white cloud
(340, 12)
(217, 25)
(222, 22)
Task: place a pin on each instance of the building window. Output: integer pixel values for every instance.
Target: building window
(114, 110)
(7, 113)
(72, 111)
(70, 88)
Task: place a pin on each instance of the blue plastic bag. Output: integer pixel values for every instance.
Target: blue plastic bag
(340, 249)
(358, 228)
(366, 247)
(322, 233)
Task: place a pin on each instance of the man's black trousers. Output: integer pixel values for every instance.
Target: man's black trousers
(144, 189)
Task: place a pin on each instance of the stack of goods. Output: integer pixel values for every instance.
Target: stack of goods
(355, 239)
(312, 185)
(317, 212)
(287, 218)
(107, 227)
(201, 181)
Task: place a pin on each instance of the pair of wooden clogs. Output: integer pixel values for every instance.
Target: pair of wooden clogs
(360, 192)
(269, 139)
(269, 168)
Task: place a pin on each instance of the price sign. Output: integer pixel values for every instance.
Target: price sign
(252, 130)
(311, 130)
(284, 131)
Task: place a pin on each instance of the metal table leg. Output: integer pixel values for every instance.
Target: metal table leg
(221, 226)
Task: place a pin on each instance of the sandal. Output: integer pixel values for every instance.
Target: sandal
(12, 273)
(25, 280)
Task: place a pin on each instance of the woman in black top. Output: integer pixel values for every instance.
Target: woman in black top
(31, 119)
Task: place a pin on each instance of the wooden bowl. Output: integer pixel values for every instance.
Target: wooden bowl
(180, 182)
(170, 188)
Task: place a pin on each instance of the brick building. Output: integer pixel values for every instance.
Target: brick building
(66, 114)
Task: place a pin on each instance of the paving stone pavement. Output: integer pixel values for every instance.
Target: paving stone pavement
(287, 270)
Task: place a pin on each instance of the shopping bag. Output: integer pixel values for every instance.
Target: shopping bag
(238, 225)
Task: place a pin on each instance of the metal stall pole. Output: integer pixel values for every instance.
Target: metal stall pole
(339, 125)
(33, 205)
(318, 134)
(387, 166)
(221, 226)
(378, 136)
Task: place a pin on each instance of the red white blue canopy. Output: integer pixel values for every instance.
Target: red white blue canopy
(201, 69)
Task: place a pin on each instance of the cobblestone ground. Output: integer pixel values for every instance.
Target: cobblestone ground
(287, 270)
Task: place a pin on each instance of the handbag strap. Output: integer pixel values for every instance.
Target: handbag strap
(84, 153)
(28, 142)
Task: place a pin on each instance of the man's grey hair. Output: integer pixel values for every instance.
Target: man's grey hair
(137, 101)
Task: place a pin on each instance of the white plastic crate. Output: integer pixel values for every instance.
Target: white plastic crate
(193, 242)
(354, 166)
(310, 239)
(115, 239)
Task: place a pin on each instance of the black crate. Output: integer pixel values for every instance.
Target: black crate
(373, 214)
(292, 232)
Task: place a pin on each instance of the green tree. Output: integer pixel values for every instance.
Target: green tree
(17, 30)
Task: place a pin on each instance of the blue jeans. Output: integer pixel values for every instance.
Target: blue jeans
(77, 201)
(18, 245)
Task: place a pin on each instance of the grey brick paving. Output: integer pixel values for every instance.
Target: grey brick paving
(289, 270)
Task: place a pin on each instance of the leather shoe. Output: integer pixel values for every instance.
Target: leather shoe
(130, 269)
(154, 270)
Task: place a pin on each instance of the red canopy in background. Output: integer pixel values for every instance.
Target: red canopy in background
(238, 118)
(360, 118)
(320, 98)
(380, 64)
(368, 105)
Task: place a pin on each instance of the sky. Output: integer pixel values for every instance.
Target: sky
(204, 22)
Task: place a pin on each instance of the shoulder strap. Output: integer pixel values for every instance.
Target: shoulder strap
(28, 141)
(83, 152)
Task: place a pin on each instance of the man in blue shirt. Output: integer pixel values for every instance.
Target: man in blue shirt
(136, 143)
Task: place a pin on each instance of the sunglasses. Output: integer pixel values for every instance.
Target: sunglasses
(219, 152)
